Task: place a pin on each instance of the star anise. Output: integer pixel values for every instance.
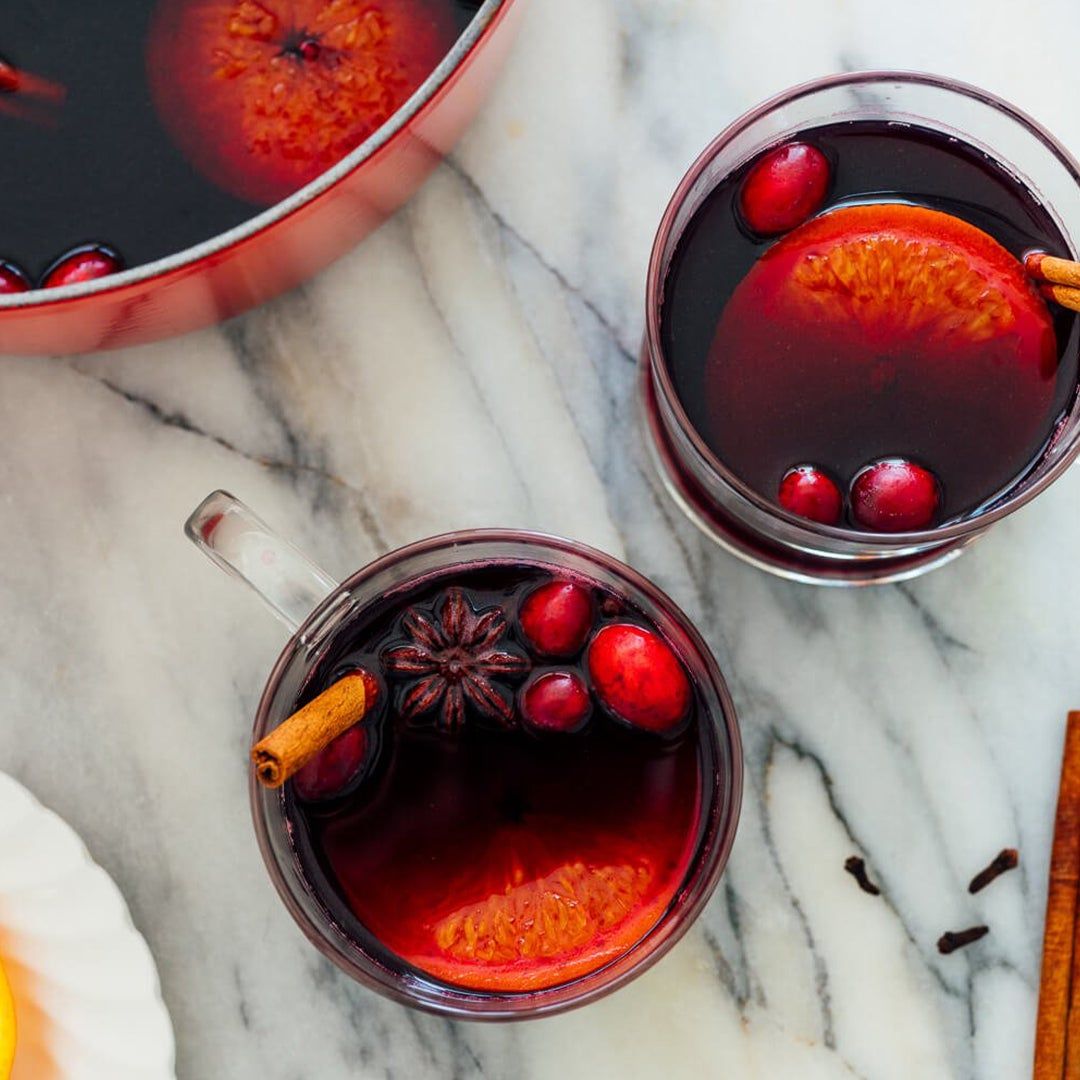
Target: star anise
(454, 662)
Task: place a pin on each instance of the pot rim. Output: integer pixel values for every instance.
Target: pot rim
(450, 64)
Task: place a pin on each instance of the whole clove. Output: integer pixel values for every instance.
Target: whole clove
(856, 867)
(952, 940)
(1006, 860)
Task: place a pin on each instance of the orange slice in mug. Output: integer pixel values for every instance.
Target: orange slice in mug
(883, 323)
(896, 272)
(543, 924)
(264, 95)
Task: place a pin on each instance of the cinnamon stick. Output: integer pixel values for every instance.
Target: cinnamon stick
(25, 96)
(1059, 279)
(1056, 1015)
(1051, 268)
(1072, 1022)
(1063, 295)
(291, 745)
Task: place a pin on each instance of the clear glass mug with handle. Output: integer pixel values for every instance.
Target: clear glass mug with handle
(746, 522)
(317, 611)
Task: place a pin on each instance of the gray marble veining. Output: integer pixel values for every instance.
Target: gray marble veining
(473, 364)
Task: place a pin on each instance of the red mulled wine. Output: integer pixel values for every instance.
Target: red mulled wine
(136, 128)
(849, 327)
(522, 804)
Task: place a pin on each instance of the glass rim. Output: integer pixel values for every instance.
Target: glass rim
(654, 291)
(703, 873)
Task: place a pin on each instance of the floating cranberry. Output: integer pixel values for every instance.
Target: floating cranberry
(811, 493)
(784, 187)
(895, 496)
(333, 769)
(86, 263)
(12, 279)
(638, 677)
(556, 618)
(555, 701)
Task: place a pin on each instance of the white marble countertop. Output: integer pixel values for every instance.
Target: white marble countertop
(473, 364)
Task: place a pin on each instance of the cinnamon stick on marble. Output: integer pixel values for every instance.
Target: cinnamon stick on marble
(1058, 1016)
(1072, 1024)
(291, 745)
(26, 96)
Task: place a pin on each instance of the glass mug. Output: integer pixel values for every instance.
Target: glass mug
(739, 518)
(316, 609)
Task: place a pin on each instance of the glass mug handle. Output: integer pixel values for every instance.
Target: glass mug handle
(246, 548)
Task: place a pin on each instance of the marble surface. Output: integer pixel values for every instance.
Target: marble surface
(473, 364)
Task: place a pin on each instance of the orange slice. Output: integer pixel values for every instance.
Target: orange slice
(264, 95)
(7, 1026)
(546, 929)
(883, 330)
(904, 271)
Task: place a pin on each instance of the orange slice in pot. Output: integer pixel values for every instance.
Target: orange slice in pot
(264, 95)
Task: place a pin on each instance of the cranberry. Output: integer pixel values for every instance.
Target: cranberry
(556, 618)
(12, 279)
(784, 187)
(555, 701)
(811, 493)
(895, 496)
(638, 677)
(309, 49)
(334, 768)
(86, 263)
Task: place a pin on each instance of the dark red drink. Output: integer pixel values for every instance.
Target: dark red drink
(865, 350)
(528, 795)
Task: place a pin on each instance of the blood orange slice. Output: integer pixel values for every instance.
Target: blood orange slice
(545, 930)
(264, 95)
(547, 918)
(900, 272)
(878, 331)
(538, 921)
